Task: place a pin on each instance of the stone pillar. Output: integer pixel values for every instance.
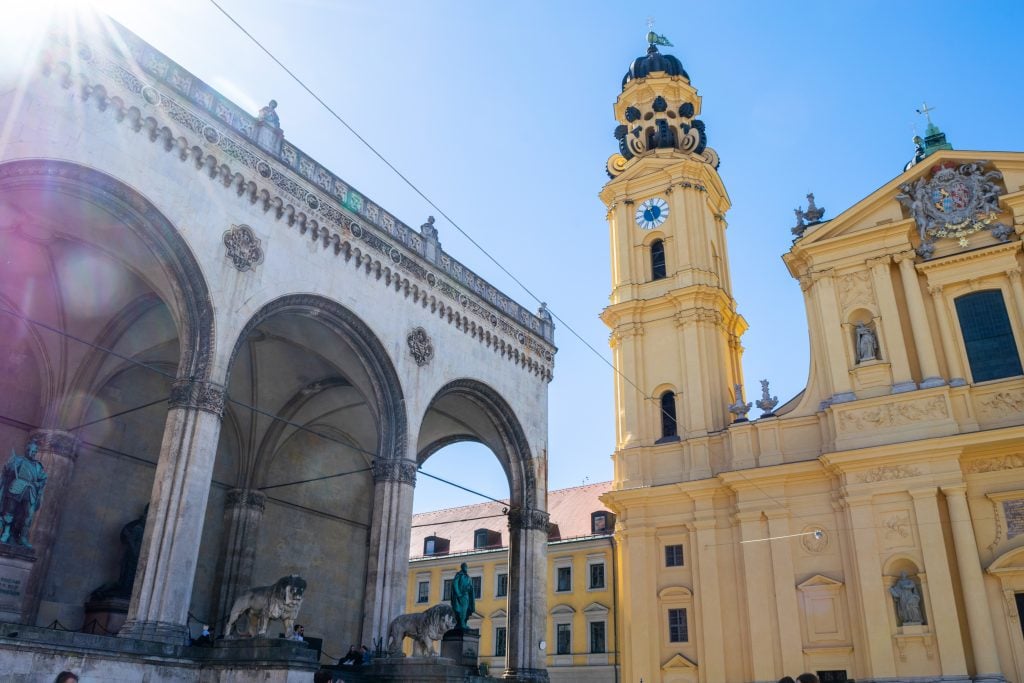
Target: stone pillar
(895, 344)
(837, 346)
(954, 366)
(756, 572)
(712, 660)
(243, 512)
(527, 595)
(390, 532)
(58, 450)
(1018, 291)
(972, 583)
(930, 376)
(174, 527)
(875, 603)
(944, 617)
(790, 638)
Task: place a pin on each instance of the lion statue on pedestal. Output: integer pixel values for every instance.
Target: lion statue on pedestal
(264, 603)
(423, 628)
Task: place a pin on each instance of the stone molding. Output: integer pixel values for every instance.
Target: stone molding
(236, 498)
(1006, 462)
(399, 471)
(198, 395)
(517, 334)
(528, 518)
(56, 441)
(888, 473)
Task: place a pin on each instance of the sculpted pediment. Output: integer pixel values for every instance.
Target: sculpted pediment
(819, 580)
(678, 663)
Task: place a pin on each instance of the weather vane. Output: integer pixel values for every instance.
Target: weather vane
(653, 38)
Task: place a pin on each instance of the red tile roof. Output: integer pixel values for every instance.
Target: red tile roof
(569, 508)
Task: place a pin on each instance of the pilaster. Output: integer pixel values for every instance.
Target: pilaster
(1014, 274)
(58, 450)
(954, 366)
(527, 598)
(243, 512)
(174, 526)
(895, 346)
(930, 375)
(835, 345)
(790, 638)
(712, 656)
(972, 583)
(756, 572)
(944, 618)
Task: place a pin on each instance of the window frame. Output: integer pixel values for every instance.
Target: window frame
(499, 574)
(422, 598)
(658, 258)
(503, 640)
(564, 627)
(668, 417)
(591, 565)
(968, 298)
(682, 555)
(558, 578)
(604, 637)
(684, 625)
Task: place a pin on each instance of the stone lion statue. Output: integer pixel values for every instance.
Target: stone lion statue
(264, 603)
(422, 627)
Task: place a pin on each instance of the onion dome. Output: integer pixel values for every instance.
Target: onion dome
(654, 62)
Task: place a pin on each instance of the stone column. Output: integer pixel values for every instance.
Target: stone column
(790, 638)
(875, 603)
(243, 512)
(836, 344)
(944, 618)
(58, 451)
(1018, 291)
(756, 572)
(527, 595)
(174, 527)
(390, 532)
(972, 583)
(930, 376)
(953, 364)
(895, 344)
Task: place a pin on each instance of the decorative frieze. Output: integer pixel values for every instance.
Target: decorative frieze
(400, 471)
(895, 414)
(1005, 462)
(855, 289)
(888, 473)
(528, 518)
(1003, 404)
(316, 215)
(198, 395)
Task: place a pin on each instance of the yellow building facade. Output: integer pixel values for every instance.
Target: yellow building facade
(581, 641)
(870, 529)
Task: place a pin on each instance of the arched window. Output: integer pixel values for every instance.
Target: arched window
(988, 338)
(669, 428)
(657, 260)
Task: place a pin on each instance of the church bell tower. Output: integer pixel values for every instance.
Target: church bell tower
(675, 329)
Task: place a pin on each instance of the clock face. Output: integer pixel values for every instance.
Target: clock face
(651, 213)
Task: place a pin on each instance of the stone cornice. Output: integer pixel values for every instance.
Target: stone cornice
(294, 189)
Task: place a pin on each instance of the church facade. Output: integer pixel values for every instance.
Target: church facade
(869, 529)
(230, 364)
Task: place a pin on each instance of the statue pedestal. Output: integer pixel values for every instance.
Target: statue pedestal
(105, 617)
(16, 562)
(462, 647)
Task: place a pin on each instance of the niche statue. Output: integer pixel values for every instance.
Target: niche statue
(867, 343)
(21, 494)
(131, 542)
(908, 600)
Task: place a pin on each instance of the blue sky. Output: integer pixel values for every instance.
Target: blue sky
(502, 114)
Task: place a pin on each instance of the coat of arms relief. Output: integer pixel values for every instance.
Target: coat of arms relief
(957, 201)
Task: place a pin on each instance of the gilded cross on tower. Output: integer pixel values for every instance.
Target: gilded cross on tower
(926, 110)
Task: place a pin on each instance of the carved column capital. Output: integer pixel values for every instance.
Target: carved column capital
(528, 518)
(245, 498)
(908, 255)
(1013, 274)
(56, 441)
(935, 290)
(400, 471)
(879, 261)
(198, 395)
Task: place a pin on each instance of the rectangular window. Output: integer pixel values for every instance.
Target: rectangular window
(563, 639)
(988, 335)
(678, 631)
(477, 585)
(597, 637)
(423, 592)
(480, 538)
(446, 592)
(597, 575)
(500, 636)
(599, 522)
(502, 586)
(564, 579)
(428, 546)
(674, 555)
